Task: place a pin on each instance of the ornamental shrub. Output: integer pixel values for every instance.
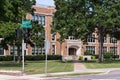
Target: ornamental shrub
(88, 53)
(108, 55)
(80, 57)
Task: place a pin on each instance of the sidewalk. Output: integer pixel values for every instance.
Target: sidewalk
(78, 68)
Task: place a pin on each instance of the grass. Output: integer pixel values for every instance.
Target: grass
(105, 64)
(38, 67)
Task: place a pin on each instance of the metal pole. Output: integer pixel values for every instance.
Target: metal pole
(14, 51)
(23, 64)
(46, 63)
(46, 53)
(114, 49)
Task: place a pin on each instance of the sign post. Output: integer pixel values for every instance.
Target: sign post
(25, 24)
(23, 63)
(47, 47)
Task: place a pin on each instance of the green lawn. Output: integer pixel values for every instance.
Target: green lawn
(37, 67)
(106, 64)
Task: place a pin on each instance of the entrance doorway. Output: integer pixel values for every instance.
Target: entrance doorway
(72, 51)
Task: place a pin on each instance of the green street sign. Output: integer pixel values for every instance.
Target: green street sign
(26, 24)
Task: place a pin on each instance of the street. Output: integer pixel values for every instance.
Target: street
(112, 75)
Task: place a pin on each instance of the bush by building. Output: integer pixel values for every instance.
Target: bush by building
(32, 57)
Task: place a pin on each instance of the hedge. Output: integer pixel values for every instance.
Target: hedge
(32, 57)
(107, 56)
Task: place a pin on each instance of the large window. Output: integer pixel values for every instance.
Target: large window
(14, 50)
(113, 50)
(91, 38)
(53, 37)
(53, 50)
(1, 51)
(38, 50)
(90, 49)
(105, 40)
(39, 18)
(113, 40)
(104, 49)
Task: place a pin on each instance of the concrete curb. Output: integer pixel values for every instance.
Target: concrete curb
(10, 72)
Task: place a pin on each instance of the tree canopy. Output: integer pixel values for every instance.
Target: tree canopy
(11, 15)
(79, 18)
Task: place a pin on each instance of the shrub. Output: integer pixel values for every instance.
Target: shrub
(108, 55)
(116, 56)
(88, 53)
(93, 57)
(32, 57)
(96, 56)
(80, 57)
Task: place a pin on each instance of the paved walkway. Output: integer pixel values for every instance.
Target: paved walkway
(79, 66)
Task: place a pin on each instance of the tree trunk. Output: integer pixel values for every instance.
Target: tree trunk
(101, 39)
(14, 51)
(19, 54)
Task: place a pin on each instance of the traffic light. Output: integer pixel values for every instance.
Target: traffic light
(26, 34)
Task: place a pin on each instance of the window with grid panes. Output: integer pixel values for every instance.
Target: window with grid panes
(91, 49)
(91, 38)
(113, 49)
(53, 49)
(40, 18)
(104, 49)
(1, 50)
(113, 40)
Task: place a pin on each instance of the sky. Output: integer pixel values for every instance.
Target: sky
(45, 2)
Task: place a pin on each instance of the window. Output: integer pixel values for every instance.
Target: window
(90, 49)
(71, 38)
(105, 40)
(53, 37)
(53, 49)
(14, 49)
(91, 38)
(37, 50)
(113, 40)
(39, 18)
(104, 49)
(113, 50)
(1, 51)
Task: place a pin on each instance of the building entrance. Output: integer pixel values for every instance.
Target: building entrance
(72, 51)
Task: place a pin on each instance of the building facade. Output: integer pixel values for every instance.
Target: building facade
(71, 47)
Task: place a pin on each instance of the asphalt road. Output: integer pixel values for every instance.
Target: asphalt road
(112, 75)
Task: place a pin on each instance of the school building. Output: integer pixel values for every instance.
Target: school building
(71, 47)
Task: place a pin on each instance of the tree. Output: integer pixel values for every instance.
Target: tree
(12, 13)
(106, 16)
(37, 35)
(79, 18)
(6, 13)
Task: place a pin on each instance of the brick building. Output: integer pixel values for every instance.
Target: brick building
(71, 47)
